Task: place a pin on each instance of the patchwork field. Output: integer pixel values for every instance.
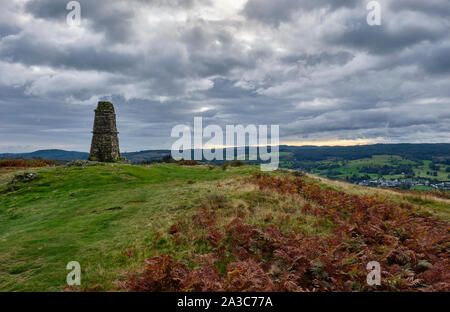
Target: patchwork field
(388, 167)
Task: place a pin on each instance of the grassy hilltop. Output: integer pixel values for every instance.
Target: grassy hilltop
(231, 229)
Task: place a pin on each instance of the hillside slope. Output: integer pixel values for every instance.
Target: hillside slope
(223, 230)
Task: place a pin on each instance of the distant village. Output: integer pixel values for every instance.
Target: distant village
(405, 183)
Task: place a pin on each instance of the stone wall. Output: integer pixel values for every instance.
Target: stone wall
(105, 140)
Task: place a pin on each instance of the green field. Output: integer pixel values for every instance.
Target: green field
(91, 216)
(345, 169)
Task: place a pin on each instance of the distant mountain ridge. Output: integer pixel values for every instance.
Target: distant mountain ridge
(311, 153)
(56, 154)
(52, 154)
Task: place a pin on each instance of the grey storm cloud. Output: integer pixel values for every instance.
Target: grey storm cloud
(382, 40)
(430, 7)
(313, 67)
(438, 61)
(112, 18)
(340, 58)
(6, 30)
(282, 11)
(25, 49)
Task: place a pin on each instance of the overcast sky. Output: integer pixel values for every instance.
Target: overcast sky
(314, 67)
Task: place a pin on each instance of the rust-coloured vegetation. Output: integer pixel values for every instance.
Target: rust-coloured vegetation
(26, 163)
(413, 249)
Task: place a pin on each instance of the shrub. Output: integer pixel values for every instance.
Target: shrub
(237, 163)
(26, 163)
(225, 165)
(214, 201)
(167, 159)
(188, 163)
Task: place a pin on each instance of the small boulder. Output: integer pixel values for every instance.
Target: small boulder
(423, 266)
(24, 178)
(82, 163)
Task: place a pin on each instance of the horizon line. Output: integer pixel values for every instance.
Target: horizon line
(227, 147)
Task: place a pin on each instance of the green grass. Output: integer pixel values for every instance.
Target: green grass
(97, 215)
(66, 216)
(284, 154)
(421, 171)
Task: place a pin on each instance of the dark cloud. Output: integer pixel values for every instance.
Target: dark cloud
(430, 7)
(383, 40)
(282, 11)
(48, 9)
(313, 67)
(325, 58)
(437, 61)
(114, 19)
(7, 30)
(27, 49)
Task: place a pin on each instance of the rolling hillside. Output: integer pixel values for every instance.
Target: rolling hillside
(404, 166)
(232, 229)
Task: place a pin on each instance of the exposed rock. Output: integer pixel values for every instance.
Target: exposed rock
(83, 163)
(24, 178)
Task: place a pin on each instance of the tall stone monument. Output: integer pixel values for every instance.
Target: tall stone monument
(105, 140)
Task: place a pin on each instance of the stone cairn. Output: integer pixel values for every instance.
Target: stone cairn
(105, 141)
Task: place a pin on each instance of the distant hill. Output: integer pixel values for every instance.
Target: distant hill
(291, 153)
(146, 155)
(56, 154)
(417, 151)
(53, 154)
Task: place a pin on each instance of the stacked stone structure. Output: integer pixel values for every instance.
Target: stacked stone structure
(105, 140)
